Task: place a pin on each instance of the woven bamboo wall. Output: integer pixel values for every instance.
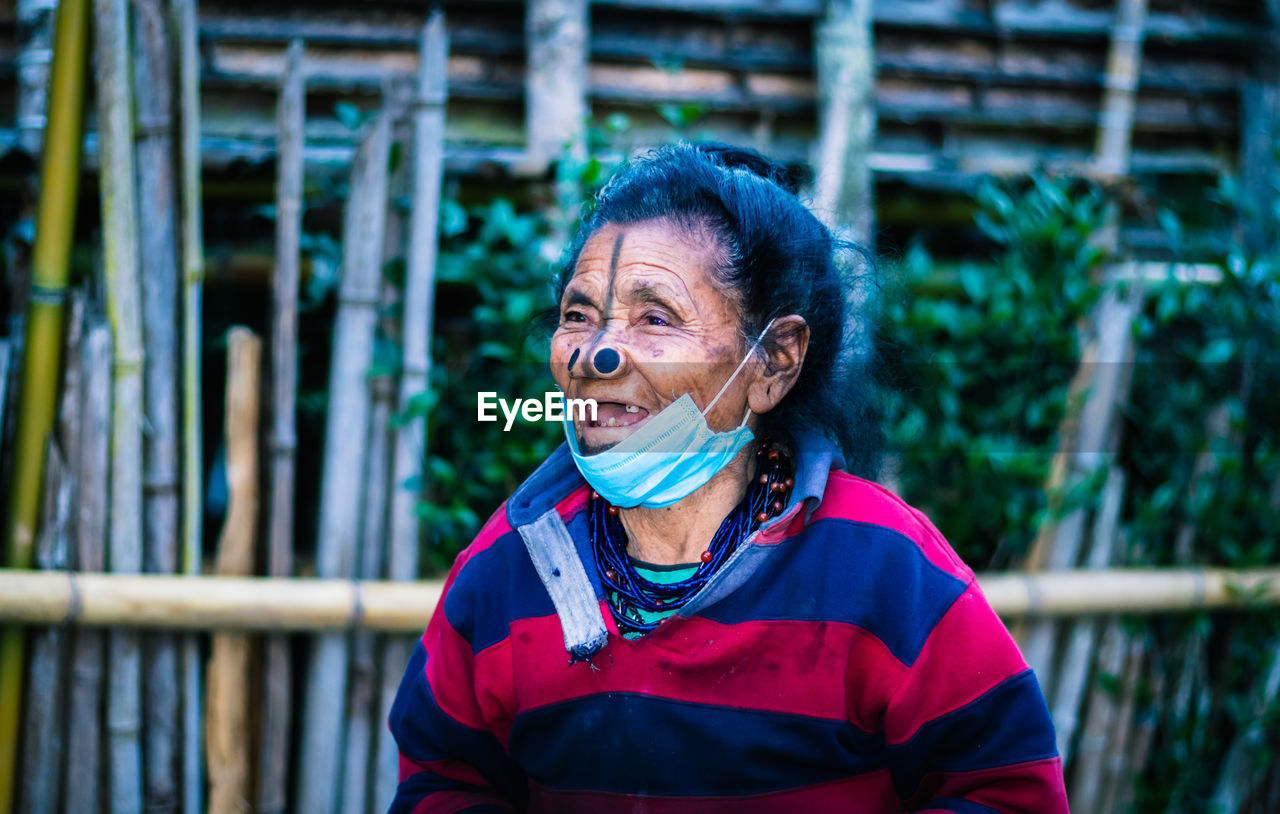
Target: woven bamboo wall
(963, 87)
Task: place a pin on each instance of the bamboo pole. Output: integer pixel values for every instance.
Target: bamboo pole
(1124, 63)
(845, 65)
(291, 118)
(84, 750)
(120, 260)
(274, 604)
(5, 355)
(227, 722)
(1087, 441)
(59, 187)
(344, 459)
(47, 665)
(158, 256)
(185, 24)
(1081, 637)
(410, 454)
(1115, 767)
(42, 728)
(361, 700)
(1105, 371)
(556, 110)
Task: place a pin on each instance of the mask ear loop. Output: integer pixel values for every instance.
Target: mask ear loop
(735, 373)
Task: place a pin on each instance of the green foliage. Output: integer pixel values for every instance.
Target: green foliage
(494, 276)
(1203, 452)
(981, 357)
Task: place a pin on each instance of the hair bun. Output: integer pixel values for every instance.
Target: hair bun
(730, 157)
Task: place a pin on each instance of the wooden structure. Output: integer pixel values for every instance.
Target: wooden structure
(962, 87)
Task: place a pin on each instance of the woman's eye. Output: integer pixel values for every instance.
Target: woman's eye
(574, 316)
(656, 320)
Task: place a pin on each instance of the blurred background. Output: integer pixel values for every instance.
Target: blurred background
(258, 260)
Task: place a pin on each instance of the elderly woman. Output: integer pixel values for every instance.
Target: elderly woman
(693, 606)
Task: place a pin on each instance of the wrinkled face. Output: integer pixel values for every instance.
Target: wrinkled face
(642, 322)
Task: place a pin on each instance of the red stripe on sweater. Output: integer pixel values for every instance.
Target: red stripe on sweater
(851, 498)
(452, 769)
(870, 793)
(782, 666)
(1035, 786)
(450, 802)
(450, 672)
(971, 647)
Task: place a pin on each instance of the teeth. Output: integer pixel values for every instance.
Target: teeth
(631, 408)
(613, 422)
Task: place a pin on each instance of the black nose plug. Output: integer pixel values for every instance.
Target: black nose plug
(607, 360)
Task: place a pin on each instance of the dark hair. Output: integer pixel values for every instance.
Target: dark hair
(779, 259)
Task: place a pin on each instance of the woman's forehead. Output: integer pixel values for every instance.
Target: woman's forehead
(647, 257)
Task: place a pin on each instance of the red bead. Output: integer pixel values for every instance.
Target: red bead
(595, 495)
(764, 478)
(763, 516)
(776, 507)
(608, 572)
(773, 454)
(706, 556)
(613, 510)
(789, 482)
(776, 487)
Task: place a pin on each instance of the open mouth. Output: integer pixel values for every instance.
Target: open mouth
(617, 414)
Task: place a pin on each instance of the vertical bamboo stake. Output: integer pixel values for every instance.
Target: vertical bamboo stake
(1087, 778)
(1081, 638)
(4, 381)
(1087, 442)
(556, 82)
(1119, 742)
(184, 15)
(59, 187)
(427, 155)
(344, 458)
(35, 51)
(355, 783)
(48, 660)
(1124, 62)
(227, 729)
(845, 63)
(1082, 438)
(153, 77)
(42, 752)
(84, 751)
(120, 256)
(291, 120)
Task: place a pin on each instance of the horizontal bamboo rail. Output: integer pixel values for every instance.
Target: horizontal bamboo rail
(262, 603)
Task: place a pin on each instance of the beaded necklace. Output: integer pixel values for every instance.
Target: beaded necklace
(767, 495)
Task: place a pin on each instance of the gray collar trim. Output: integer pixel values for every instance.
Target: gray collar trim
(556, 560)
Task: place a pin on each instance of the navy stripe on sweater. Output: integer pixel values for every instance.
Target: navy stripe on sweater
(638, 744)
(855, 571)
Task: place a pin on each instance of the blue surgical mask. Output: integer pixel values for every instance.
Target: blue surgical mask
(669, 457)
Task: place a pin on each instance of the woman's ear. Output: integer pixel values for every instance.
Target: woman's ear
(784, 347)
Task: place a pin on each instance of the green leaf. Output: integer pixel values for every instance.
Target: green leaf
(352, 117)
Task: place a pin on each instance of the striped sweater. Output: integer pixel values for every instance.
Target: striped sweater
(843, 660)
